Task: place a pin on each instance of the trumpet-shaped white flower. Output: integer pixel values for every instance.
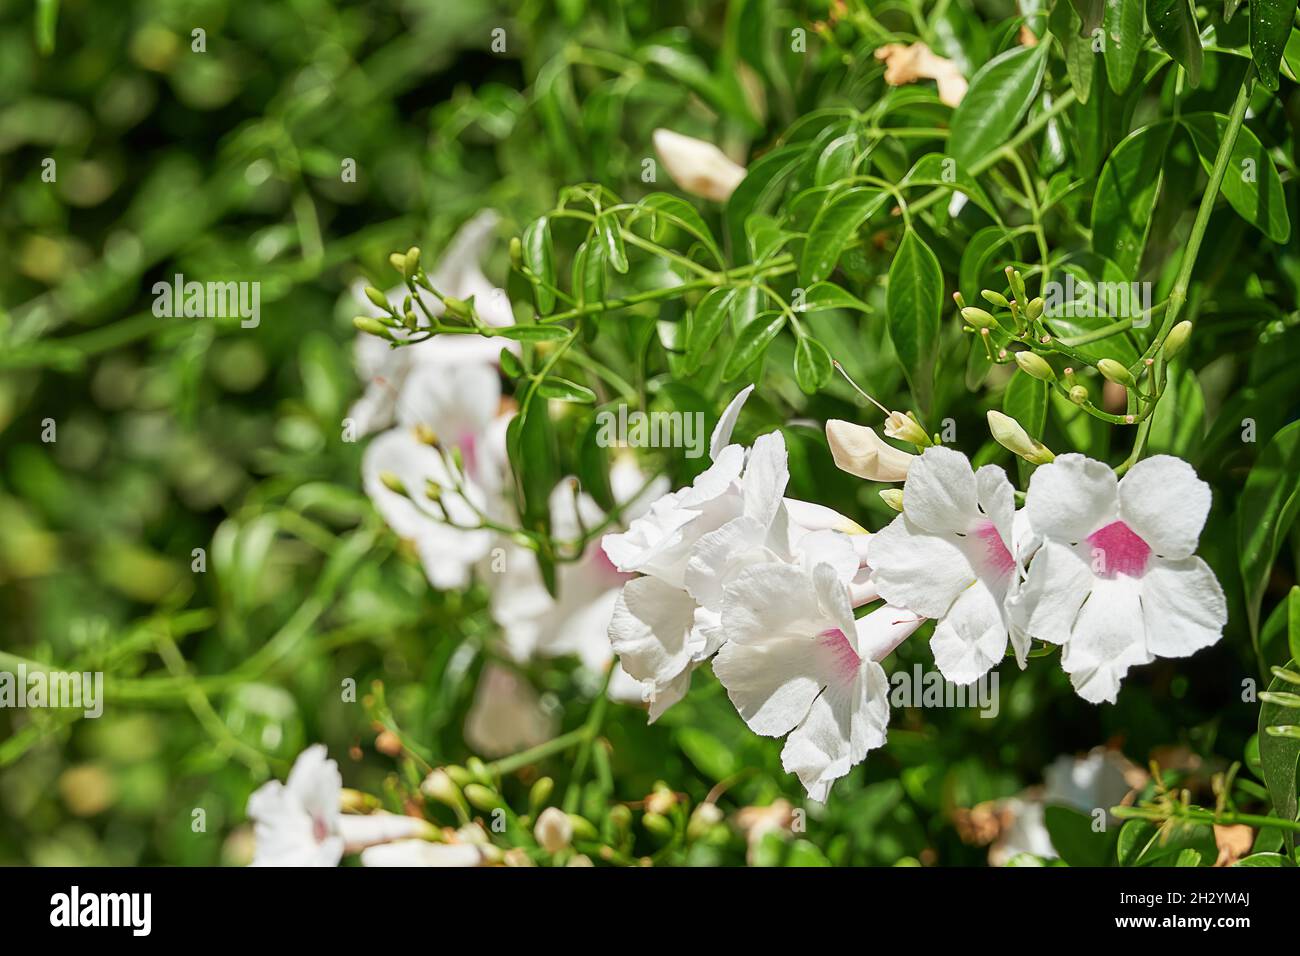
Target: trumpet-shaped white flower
(796, 662)
(699, 168)
(298, 823)
(1115, 579)
(692, 542)
(950, 556)
(859, 451)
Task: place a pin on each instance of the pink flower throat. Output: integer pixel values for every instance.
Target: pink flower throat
(1117, 550)
(844, 659)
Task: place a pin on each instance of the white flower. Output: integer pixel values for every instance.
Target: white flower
(699, 168)
(861, 452)
(298, 823)
(385, 368)
(950, 556)
(692, 542)
(423, 853)
(795, 662)
(506, 715)
(1115, 580)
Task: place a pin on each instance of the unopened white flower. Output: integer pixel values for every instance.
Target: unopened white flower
(950, 556)
(298, 823)
(554, 830)
(796, 662)
(1115, 580)
(424, 853)
(699, 168)
(861, 452)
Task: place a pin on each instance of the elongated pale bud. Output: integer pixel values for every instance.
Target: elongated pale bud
(411, 262)
(893, 497)
(1011, 435)
(457, 307)
(906, 428)
(699, 168)
(1017, 284)
(1116, 372)
(398, 261)
(995, 298)
(860, 451)
(1035, 307)
(554, 831)
(1177, 338)
(483, 798)
(372, 326)
(978, 318)
(392, 482)
(377, 298)
(439, 786)
(1035, 365)
(516, 253)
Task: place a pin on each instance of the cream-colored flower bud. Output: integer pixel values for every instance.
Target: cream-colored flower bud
(860, 451)
(1009, 433)
(1116, 372)
(906, 428)
(554, 830)
(893, 497)
(1176, 341)
(699, 168)
(1034, 364)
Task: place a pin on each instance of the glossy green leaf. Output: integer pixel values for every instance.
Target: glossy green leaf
(1269, 503)
(761, 186)
(1126, 195)
(915, 300)
(1074, 838)
(1173, 24)
(710, 316)
(836, 160)
(540, 258)
(563, 390)
(610, 232)
(752, 340)
(680, 213)
(1122, 26)
(997, 100)
(1278, 756)
(531, 333)
(836, 223)
(826, 295)
(1251, 183)
(1270, 28)
(812, 365)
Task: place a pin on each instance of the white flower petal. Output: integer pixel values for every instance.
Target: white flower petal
(881, 631)
(1165, 504)
(1107, 640)
(698, 167)
(1071, 497)
(971, 638)
(1182, 606)
(721, 436)
(422, 853)
(766, 475)
(649, 630)
(940, 494)
(363, 830)
(1048, 601)
(997, 499)
(772, 681)
(859, 451)
(768, 600)
(842, 725)
(919, 571)
(506, 715)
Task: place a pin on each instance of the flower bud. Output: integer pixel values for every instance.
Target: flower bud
(411, 262)
(699, 168)
(1177, 338)
(978, 318)
(398, 261)
(1078, 394)
(553, 831)
(377, 298)
(906, 428)
(372, 326)
(439, 786)
(541, 792)
(995, 298)
(482, 797)
(1017, 284)
(892, 497)
(658, 824)
(516, 253)
(457, 307)
(1116, 372)
(703, 819)
(860, 451)
(1036, 366)
(1009, 433)
(1035, 307)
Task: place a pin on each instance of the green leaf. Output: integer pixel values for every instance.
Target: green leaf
(915, 300)
(1134, 838)
(1126, 195)
(531, 333)
(836, 160)
(1173, 24)
(610, 232)
(930, 170)
(1252, 183)
(1090, 13)
(563, 390)
(680, 213)
(1264, 859)
(510, 364)
(821, 296)
(1025, 400)
(589, 272)
(758, 190)
(1293, 622)
(712, 757)
(1188, 857)
(812, 365)
(1122, 24)
(710, 315)
(1065, 24)
(835, 224)
(540, 259)
(1074, 838)
(752, 340)
(997, 100)
(1178, 426)
(1278, 756)
(593, 466)
(1270, 27)
(1268, 509)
